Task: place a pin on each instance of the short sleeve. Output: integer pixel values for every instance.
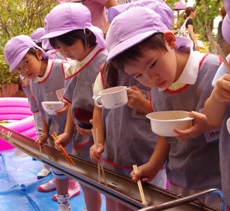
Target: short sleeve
(98, 86)
(189, 22)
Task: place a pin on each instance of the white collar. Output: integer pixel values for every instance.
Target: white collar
(48, 69)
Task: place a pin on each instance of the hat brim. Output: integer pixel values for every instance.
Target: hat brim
(121, 47)
(55, 34)
(96, 31)
(18, 59)
(128, 43)
(23, 53)
(226, 28)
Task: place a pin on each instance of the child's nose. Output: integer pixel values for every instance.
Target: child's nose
(25, 69)
(152, 77)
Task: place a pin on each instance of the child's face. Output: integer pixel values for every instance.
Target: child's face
(156, 69)
(30, 66)
(74, 52)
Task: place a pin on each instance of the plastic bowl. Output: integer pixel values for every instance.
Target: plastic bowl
(163, 122)
(51, 106)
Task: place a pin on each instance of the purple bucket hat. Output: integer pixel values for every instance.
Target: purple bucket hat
(226, 22)
(37, 34)
(16, 48)
(131, 27)
(67, 17)
(158, 6)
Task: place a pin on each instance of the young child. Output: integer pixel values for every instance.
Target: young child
(181, 80)
(37, 120)
(69, 30)
(217, 109)
(35, 36)
(47, 84)
(53, 54)
(124, 133)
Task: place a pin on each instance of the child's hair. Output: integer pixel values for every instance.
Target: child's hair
(110, 74)
(32, 51)
(85, 35)
(156, 41)
(223, 12)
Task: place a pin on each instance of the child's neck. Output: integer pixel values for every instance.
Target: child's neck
(86, 53)
(43, 67)
(182, 59)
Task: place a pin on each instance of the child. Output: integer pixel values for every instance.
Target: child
(35, 36)
(47, 84)
(124, 133)
(54, 54)
(37, 121)
(217, 109)
(181, 80)
(69, 30)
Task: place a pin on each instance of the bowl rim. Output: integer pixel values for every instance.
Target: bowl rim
(169, 120)
(52, 102)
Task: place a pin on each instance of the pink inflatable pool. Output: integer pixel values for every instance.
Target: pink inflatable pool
(17, 108)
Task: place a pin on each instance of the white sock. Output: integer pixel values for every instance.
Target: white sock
(63, 203)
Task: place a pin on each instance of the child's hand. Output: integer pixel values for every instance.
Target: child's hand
(221, 92)
(63, 110)
(200, 125)
(83, 131)
(135, 98)
(95, 152)
(62, 139)
(145, 173)
(42, 139)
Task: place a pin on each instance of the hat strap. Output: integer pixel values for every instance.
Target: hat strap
(85, 39)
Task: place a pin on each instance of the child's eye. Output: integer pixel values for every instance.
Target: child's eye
(152, 65)
(138, 76)
(26, 62)
(18, 69)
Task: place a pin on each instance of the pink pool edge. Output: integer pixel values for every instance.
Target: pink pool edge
(17, 108)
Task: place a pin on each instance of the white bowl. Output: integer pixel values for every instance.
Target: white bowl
(51, 106)
(163, 122)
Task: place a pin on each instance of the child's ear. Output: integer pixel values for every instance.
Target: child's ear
(170, 38)
(39, 54)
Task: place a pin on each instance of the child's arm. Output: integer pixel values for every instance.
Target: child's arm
(65, 138)
(63, 110)
(45, 133)
(150, 169)
(216, 104)
(137, 100)
(95, 151)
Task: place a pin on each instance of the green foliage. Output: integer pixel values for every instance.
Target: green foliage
(5, 76)
(19, 17)
(206, 12)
